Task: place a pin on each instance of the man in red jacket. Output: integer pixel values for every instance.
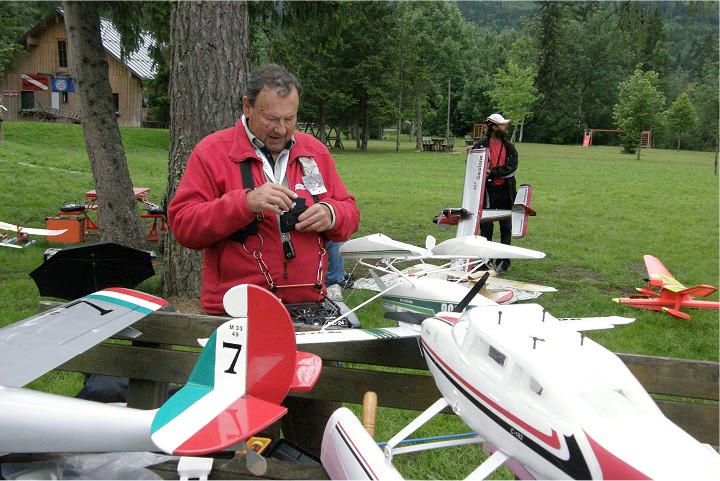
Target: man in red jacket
(240, 202)
(238, 225)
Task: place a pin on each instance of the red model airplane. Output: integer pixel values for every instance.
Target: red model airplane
(671, 295)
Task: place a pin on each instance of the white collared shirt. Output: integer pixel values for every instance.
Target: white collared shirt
(277, 175)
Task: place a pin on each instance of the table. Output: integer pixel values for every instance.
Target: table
(439, 143)
(140, 194)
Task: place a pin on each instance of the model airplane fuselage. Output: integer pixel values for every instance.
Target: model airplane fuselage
(670, 295)
(554, 401)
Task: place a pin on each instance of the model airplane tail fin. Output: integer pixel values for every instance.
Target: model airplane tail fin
(521, 211)
(245, 370)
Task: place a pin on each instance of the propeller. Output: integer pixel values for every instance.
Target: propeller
(473, 292)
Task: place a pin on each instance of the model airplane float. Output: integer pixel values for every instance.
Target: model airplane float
(469, 217)
(545, 400)
(671, 295)
(235, 390)
(21, 235)
(428, 288)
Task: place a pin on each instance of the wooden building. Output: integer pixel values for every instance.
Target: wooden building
(42, 86)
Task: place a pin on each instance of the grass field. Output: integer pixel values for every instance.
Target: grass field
(599, 212)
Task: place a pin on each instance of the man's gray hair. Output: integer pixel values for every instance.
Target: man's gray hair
(274, 77)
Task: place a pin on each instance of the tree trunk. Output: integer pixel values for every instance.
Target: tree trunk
(418, 139)
(118, 218)
(209, 70)
(321, 129)
(399, 122)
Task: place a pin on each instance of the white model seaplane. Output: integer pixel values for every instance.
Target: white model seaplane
(546, 401)
(21, 235)
(427, 288)
(469, 217)
(244, 372)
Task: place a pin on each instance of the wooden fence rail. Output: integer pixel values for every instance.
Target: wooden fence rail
(686, 391)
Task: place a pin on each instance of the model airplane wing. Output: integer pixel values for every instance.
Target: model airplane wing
(351, 335)
(30, 230)
(246, 369)
(511, 284)
(380, 246)
(478, 246)
(39, 344)
(594, 323)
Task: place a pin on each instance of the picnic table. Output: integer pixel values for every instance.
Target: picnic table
(439, 144)
(154, 212)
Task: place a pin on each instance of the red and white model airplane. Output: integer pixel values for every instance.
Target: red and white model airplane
(469, 217)
(244, 372)
(546, 401)
(670, 295)
(21, 235)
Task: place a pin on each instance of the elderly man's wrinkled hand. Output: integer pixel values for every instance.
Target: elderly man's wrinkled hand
(271, 197)
(317, 218)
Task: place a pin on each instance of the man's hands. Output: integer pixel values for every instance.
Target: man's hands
(317, 218)
(278, 199)
(272, 197)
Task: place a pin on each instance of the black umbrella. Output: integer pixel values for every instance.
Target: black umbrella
(76, 271)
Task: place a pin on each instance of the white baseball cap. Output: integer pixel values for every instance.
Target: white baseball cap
(497, 119)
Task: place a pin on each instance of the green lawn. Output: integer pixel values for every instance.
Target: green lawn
(599, 212)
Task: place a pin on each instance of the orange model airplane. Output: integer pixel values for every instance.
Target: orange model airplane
(671, 295)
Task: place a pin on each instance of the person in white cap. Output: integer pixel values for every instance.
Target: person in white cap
(500, 187)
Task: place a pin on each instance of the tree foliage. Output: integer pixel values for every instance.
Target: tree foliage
(681, 117)
(639, 107)
(513, 92)
(371, 64)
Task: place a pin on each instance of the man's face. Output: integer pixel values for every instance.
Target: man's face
(272, 119)
(501, 127)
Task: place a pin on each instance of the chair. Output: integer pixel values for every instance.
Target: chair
(450, 144)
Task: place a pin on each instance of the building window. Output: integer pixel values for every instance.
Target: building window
(116, 103)
(62, 54)
(64, 96)
(27, 100)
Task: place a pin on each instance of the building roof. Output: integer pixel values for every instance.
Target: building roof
(138, 62)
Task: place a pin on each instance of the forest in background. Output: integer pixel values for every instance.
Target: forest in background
(554, 67)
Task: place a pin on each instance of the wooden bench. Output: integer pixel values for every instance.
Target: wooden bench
(685, 390)
(427, 144)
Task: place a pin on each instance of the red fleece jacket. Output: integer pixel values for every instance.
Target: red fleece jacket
(210, 205)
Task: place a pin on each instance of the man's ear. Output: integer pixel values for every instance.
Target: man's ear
(246, 105)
